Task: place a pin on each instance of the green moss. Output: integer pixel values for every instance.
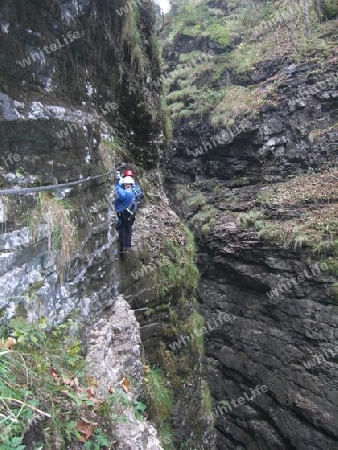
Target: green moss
(167, 125)
(149, 312)
(194, 329)
(115, 148)
(238, 181)
(156, 50)
(249, 219)
(219, 33)
(300, 237)
(206, 401)
(159, 395)
(173, 315)
(207, 226)
(182, 368)
(335, 292)
(239, 101)
(176, 107)
(185, 114)
(181, 94)
(197, 200)
(164, 307)
(330, 9)
(190, 57)
(182, 193)
(243, 24)
(178, 271)
(133, 40)
(35, 286)
(194, 30)
(244, 58)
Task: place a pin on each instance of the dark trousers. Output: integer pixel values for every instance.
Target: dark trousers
(125, 233)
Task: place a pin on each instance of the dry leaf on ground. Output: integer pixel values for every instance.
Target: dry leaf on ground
(85, 429)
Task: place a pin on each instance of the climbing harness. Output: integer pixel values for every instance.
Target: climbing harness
(129, 213)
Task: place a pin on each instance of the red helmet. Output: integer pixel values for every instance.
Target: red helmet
(128, 173)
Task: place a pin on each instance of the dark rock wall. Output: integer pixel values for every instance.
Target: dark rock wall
(285, 341)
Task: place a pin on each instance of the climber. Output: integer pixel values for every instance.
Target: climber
(125, 206)
(136, 188)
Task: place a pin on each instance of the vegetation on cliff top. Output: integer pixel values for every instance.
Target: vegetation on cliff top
(311, 203)
(242, 35)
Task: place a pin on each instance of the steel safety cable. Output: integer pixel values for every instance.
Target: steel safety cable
(53, 187)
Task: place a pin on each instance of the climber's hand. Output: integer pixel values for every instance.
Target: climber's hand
(118, 175)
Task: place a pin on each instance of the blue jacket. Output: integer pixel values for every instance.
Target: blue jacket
(124, 198)
(136, 189)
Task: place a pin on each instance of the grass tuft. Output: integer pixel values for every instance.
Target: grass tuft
(54, 217)
(204, 219)
(159, 397)
(250, 219)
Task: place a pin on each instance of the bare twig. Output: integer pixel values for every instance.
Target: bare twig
(14, 400)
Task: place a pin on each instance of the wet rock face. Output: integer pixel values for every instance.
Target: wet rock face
(68, 65)
(281, 339)
(66, 77)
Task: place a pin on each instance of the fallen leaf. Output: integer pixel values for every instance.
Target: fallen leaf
(55, 374)
(86, 429)
(74, 383)
(10, 342)
(125, 384)
(91, 396)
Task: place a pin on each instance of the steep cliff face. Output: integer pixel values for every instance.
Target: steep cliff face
(252, 170)
(79, 95)
(55, 116)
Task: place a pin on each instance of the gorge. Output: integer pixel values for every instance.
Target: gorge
(219, 329)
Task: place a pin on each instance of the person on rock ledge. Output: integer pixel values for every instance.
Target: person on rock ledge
(125, 207)
(135, 187)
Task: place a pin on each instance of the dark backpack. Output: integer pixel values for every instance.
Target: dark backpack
(130, 212)
(138, 194)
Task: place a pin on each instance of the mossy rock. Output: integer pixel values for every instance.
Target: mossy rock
(335, 292)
